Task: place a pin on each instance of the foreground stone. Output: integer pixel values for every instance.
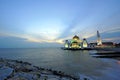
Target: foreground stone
(18, 70)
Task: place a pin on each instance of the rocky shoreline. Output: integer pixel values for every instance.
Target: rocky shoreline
(19, 70)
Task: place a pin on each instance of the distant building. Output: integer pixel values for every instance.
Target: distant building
(108, 44)
(104, 44)
(92, 45)
(117, 45)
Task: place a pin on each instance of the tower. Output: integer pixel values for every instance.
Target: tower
(85, 43)
(66, 44)
(99, 41)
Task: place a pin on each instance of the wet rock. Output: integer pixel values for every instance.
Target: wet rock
(19, 70)
(5, 72)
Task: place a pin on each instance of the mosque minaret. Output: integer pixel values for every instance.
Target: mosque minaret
(99, 41)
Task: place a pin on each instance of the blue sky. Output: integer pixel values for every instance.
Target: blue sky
(40, 23)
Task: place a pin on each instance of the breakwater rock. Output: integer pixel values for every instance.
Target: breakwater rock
(19, 70)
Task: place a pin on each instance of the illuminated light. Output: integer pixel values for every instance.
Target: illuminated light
(85, 44)
(66, 46)
(75, 42)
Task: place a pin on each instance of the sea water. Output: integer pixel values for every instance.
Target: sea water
(71, 62)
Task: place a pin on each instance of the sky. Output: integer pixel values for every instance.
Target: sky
(47, 23)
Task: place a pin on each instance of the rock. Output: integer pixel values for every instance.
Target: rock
(5, 72)
(19, 70)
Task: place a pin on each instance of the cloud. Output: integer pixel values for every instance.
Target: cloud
(112, 30)
(17, 42)
(32, 38)
(115, 39)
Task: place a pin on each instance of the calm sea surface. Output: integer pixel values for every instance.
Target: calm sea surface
(71, 62)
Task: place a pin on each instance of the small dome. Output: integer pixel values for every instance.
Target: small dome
(76, 37)
(84, 39)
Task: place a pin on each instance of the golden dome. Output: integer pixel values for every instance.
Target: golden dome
(76, 37)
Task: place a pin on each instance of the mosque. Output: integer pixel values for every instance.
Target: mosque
(76, 43)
